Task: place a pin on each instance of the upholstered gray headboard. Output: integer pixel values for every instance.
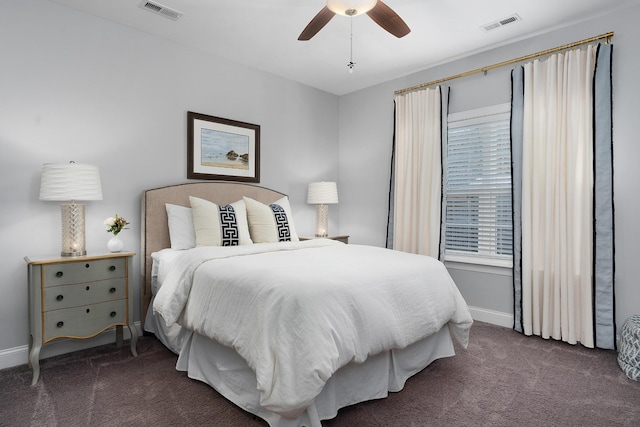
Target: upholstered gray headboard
(154, 226)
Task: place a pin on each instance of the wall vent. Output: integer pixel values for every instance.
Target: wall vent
(502, 22)
(160, 9)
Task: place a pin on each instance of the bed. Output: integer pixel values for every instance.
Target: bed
(289, 330)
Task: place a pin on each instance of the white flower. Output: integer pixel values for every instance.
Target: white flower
(115, 225)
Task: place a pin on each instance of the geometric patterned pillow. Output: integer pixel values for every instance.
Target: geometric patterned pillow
(270, 223)
(216, 225)
(629, 354)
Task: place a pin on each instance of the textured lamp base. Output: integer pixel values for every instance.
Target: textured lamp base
(322, 216)
(73, 242)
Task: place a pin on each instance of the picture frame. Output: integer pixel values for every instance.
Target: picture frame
(222, 149)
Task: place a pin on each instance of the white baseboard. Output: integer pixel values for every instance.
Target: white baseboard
(20, 355)
(14, 356)
(493, 317)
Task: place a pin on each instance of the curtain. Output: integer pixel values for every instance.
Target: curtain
(416, 188)
(604, 243)
(555, 136)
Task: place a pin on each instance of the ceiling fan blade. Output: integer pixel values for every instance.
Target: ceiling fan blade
(316, 24)
(384, 16)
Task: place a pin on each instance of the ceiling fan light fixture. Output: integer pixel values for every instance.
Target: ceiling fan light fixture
(351, 7)
(377, 10)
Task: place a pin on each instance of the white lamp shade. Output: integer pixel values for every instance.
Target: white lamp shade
(322, 193)
(70, 181)
(360, 6)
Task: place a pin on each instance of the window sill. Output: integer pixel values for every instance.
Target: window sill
(503, 267)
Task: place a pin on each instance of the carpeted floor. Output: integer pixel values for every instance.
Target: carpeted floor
(503, 379)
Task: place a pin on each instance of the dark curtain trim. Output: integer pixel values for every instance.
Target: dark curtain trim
(604, 326)
(390, 213)
(516, 124)
(444, 138)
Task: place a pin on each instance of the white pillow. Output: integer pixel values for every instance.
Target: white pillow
(270, 223)
(181, 232)
(216, 226)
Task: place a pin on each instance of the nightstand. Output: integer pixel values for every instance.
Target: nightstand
(343, 239)
(79, 297)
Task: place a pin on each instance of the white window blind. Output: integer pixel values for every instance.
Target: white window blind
(478, 187)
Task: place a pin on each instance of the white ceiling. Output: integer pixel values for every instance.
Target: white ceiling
(263, 33)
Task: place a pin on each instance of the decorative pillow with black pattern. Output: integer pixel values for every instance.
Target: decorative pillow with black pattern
(217, 225)
(270, 223)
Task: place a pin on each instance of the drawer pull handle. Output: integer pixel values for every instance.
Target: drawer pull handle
(112, 290)
(88, 310)
(112, 268)
(60, 324)
(59, 274)
(113, 314)
(59, 298)
(87, 288)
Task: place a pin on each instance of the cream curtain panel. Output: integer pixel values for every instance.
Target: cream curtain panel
(557, 184)
(554, 269)
(417, 172)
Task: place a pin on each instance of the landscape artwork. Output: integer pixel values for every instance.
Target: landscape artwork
(223, 149)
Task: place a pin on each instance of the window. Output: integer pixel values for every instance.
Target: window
(478, 187)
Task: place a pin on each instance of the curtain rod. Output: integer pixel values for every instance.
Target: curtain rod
(509, 62)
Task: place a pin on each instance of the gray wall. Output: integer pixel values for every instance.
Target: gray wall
(75, 87)
(366, 129)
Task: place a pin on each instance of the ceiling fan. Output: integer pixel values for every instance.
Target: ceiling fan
(382, 14)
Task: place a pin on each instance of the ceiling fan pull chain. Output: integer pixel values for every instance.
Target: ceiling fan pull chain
(351, 64)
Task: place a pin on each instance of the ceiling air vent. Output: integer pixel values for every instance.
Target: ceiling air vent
(165, 11)
(502, 22)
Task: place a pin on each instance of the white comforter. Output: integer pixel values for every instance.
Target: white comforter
(298, 311)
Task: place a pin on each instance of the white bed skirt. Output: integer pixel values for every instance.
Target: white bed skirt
(224, 370)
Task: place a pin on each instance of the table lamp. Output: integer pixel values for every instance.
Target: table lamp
(322, 194)
(68, 183)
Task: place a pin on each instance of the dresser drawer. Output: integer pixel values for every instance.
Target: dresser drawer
(84, 321)
(81, 271)
(79, 298)
(65, 296)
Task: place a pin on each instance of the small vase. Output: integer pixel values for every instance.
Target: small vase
(115, 244)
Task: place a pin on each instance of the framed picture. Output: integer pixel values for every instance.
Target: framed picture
(222, 149)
